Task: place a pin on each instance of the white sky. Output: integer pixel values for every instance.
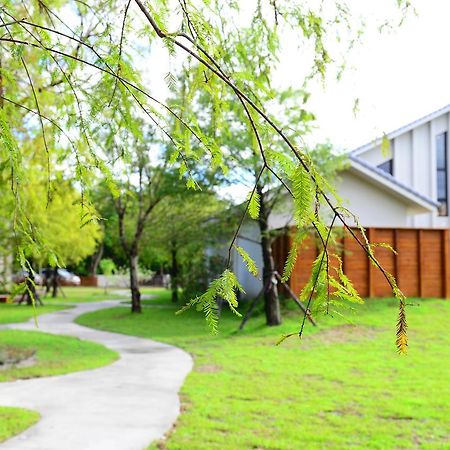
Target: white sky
(398, 76)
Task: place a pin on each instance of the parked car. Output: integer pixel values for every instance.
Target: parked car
(65, 277)
(20, 277)
(68, 278)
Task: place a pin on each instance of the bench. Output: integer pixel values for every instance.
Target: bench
(3, 298)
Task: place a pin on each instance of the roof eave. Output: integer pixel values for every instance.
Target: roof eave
(426, 204)
(405, 129)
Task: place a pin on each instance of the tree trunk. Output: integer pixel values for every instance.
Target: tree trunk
(134, 285)
(55, 282)
(174, 274)
(48, 280)
(96, 259)
(271, 300)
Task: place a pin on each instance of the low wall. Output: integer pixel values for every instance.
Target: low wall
(89, 281)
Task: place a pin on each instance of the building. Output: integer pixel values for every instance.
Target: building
(401, 196)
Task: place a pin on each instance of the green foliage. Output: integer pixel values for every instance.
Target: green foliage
(251, 265)
(329, 289)
(253, 205)
(303, 196)
(65, 232)
(292, 255)
(76, 93)
(107, 266)
(385, 146)
(344, 290)
(224, 288)
(183, 226)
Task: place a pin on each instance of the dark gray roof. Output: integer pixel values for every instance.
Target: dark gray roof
(388, 177)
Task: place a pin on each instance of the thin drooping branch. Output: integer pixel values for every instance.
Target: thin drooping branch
(227, 80)
(36, 101)
(324, 255)
(52, 121)
(203, 57)
(109, 70)
(244, 214)
(122, 34)
(74, 93)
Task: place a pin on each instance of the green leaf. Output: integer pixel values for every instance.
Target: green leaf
(383, 245)
(253, 204)
(251, 265)
(224, 287)
(303, 192)
(292, 256)
(385, 146)
(171, 81)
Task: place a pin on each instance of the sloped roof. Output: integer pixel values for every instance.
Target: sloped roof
(403, 129)
(386, 180)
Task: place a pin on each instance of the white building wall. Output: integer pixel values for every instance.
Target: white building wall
(249, 239)
(375, 156)
(402, 158)
(374, 206)
(420, 160)
(414, 154)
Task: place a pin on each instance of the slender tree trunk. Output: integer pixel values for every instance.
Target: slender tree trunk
(134, 284)
(55, 282)
(96, 259)
(174, 274)
(48, 274)
(271, 300)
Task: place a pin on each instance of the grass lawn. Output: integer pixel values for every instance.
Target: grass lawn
(81, 294)
(11, 313)
(344, 386)
(15, 420)
(159, 297)
(51, 354)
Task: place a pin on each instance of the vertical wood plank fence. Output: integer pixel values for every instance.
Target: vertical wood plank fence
(421, 267)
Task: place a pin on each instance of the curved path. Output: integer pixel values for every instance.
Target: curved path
(123, 406)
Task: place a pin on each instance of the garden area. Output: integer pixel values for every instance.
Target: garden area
(342, 386)
(208, 238)
(343, 378)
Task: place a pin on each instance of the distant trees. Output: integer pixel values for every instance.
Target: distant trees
(142, 181)
(72, 75)
(56, 220)
(184, 228)
(251, 155)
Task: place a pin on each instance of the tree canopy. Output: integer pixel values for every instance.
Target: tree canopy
(69, 76)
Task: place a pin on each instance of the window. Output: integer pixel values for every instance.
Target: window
(441, 175)
(387, 166)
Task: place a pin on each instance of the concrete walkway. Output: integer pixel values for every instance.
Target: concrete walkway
(123, 406)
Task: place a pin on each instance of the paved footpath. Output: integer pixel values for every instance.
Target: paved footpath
(123, 406)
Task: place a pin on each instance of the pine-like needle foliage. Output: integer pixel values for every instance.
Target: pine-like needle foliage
(225, 288)
(250, 263)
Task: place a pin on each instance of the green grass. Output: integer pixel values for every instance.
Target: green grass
(344, 386)
(11, 313)
(15, 420)
(54, 355)
(81, 294)
(160, 297)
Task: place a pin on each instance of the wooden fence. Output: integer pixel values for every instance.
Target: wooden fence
(421, 267)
